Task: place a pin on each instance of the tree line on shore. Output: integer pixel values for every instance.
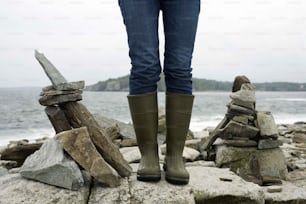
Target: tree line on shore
(122, 84)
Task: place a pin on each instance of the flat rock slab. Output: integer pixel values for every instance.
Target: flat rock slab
(20, 152)
(16, 189)
(79, 146)
(266, 123)
(289, 194)
(102, 195)
(207, 185)
(52, 166)
(59, 99)
(219, 186)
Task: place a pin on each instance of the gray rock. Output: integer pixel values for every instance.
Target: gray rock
(14, 170)
(15, 189)
(240, 143)
(266, 123)
(214, 185)
(189, 154)
(77, 143)
(245, 96)
(235, 129)
(269, 144)
(8, 164)
(194, 144)
(131, 154)
(201, 163)
(202, 134)
(239, 80)
(299, 138)
(101, 195)
(126, 130)
(274, 189)
(289, 194)
(55, 92)
(236, 109)
(3, 171)
(269, 164)
(70, 85)
(55, 100)
(159, 193)
(241, 119)
(50, 165)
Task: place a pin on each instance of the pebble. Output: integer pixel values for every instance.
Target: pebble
(274, 189)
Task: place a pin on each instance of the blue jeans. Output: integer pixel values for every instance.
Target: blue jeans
(180, 19)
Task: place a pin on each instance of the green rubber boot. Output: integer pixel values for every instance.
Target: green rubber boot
(178, 114)
(144, 112)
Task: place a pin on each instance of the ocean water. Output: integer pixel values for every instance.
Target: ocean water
(22, 117)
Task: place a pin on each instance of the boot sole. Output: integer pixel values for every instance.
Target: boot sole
(148, 178)
(177, 181)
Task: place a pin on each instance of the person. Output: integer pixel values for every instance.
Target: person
(180, 19)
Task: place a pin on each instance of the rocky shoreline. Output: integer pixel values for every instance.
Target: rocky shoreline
(208, 183)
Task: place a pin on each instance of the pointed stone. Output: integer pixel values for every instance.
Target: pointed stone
(54, 75)
(50, 165)
(79, 146)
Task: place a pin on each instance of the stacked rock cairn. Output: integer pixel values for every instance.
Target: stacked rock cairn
(249, 139)
(243, 125)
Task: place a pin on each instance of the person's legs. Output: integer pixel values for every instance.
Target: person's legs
(180, 25)
(141, 20)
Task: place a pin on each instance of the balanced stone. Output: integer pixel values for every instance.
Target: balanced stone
(269, 164)
(55, 100)
(266, 123)
(235, 129)
(131, 154)
(239, 110)
(55, 92)
(299, 137)
(78, 144)
(245, 96)
(269, 144)
(241, 119)
(240, 143)
(76, 85)
(69, 86)
(50, 165)
(239, 80)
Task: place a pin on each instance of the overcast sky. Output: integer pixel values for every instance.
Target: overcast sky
(86, 40)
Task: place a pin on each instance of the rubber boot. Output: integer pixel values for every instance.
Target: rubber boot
(178, 114)
(144, 112)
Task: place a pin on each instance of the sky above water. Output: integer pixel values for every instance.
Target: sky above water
(86, 40)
